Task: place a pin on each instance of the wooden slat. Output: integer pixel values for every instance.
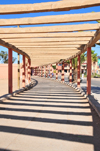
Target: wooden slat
(7, 45)
(48, 6)
(92, 41)
(48, 35)
(54, 19)
(90, 44)
(60, 46)
(48, 29)
(27, 50)
(50, 43)
(34, 40)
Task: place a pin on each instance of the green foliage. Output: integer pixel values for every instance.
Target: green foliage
(4, 57)
(54, 67)
(94, 56)
(95, 75)
(74, 63)
(54, 71)
(83, 57)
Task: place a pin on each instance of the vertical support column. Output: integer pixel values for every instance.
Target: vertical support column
(29, 71)
(50, 70)
(39, 72)
(89, 71)
(62, 76)
(78, 72)
(56, 71)
(43, 70)
(23, 76)
(46, 72)
(18, 71)
(10, 89)
(70, 78)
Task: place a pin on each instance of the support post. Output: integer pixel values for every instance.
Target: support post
(46, 72)
(43, 70)
(23, 77)
(10, 89)
(78, 72)
(62, 76)
(56, 71)
(89, 71)
(70, 77)
(50, 70)
(29, 71)
(18, 71)
(39, 72)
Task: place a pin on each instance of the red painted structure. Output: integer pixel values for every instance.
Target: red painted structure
(62, 75)
(78, 71)
(89, 71)
(56, 71)
(29, 70)
(70, 71)
(23, 74)
(10, 89)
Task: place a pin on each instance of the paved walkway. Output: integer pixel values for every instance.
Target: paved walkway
(49, 117)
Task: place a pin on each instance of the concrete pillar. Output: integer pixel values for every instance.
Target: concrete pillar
(50, 70)
(78, 72)
(10, 82)
(18, 71)
(70, 77)
(89, 71)
(23, 74)
(56, 71)
(62, 75)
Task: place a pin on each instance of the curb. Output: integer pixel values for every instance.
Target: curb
(7, 96)
(92, 100)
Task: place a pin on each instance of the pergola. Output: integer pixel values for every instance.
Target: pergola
(49, 44)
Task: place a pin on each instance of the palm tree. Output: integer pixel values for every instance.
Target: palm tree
(94, 59)
(4, 57)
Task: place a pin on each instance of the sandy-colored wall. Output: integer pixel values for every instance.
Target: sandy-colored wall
(4, 71)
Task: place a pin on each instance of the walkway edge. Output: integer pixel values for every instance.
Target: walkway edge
(7, 96)
(92, 100)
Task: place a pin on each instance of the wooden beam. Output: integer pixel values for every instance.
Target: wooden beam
(51, 43)
(7, 45)
(47, 49)
(48, 35)
(47, 7)
(48, 29)
(92, 41)
(34, 40)
(54, 19)
(53, 53)
(59, 46)
(90, 44)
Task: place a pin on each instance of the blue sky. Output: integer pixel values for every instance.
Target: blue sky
(77, 11)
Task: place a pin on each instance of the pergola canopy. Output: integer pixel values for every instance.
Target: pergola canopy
(49, 44)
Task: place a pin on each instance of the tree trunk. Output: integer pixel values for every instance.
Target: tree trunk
(94, 67)
(75, 75)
